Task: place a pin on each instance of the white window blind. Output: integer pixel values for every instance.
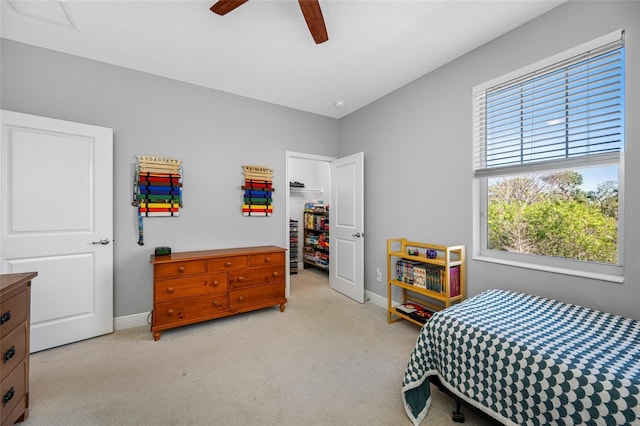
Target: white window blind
(566, 114)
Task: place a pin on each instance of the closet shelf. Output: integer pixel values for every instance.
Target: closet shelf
(294, 189)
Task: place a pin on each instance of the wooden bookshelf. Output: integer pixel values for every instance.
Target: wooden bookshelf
(441, 294)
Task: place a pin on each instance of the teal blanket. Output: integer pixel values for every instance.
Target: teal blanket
(526, 360)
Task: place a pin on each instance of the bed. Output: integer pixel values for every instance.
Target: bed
(526, 360)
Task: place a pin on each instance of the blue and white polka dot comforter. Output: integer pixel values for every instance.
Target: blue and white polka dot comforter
(527, 360)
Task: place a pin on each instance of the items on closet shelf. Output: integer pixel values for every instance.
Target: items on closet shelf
(293, 246)
(316, 235)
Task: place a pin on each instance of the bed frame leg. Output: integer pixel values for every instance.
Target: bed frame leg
(457, 415)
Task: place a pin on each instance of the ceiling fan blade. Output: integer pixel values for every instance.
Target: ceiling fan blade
(315, 21)
(222, 7)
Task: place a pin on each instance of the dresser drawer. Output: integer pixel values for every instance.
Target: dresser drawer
(266, 259)
(179, 269)
(259, 295)
(13, 312)
(249, 277)
(189, 309)
(12, 389)
(227, 263)
(13, 350)
(168, 289)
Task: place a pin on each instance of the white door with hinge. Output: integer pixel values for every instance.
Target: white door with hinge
(56, 184)
(346, 224)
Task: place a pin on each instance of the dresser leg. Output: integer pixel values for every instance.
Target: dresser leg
(22, 418)
(282, 307)
(156, 336)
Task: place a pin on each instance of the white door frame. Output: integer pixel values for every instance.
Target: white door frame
(291, 155)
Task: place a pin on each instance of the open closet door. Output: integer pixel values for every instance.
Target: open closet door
(346, 218)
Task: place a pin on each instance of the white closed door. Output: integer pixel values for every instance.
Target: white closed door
(346, 224)
(57, 219)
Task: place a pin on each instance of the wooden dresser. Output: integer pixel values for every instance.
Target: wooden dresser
(15, 302)
(195, 286)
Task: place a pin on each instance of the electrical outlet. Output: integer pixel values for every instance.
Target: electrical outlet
(378, 274)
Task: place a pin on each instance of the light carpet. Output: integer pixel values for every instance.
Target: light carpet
(326, 360)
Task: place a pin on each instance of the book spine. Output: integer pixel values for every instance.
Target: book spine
(454, 281)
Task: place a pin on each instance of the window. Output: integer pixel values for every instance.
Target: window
(548, 162)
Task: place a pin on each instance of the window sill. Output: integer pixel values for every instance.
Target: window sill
(554, 269)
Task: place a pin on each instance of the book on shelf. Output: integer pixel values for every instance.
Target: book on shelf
(454, 281)
(405, 309)
(420, 275)
(421, 316)
(435, 278)
(428, 276)
(415, 311)
(404, 270)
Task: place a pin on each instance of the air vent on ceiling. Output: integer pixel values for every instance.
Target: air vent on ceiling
(53, 11)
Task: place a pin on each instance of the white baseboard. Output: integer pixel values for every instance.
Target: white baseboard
(376, 299)
(130, 321)
(138, 320)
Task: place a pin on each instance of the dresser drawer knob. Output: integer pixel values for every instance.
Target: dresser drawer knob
(240, 278)
(217, 304)
(229, 263)
(9, 354)
(275, 273)
(240, 298)
(215, 283)
(170, 290)
(169, 311)
(267, 260)
(181, 269)
(5, 317)
(7, 396)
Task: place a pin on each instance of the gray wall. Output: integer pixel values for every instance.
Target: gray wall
(418, 140)
(417, 145)
(213, 133)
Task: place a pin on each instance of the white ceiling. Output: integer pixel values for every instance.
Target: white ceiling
(263, 49)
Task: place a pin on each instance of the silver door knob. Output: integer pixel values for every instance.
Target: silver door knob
(103, 241)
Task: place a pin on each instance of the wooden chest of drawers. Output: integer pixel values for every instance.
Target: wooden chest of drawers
(197, 286)
(15, 301)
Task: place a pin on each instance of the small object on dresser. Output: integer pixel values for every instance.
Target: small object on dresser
(431, 254)
(163, 251)
(413, 252)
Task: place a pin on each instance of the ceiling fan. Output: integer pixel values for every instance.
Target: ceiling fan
(310, 10)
